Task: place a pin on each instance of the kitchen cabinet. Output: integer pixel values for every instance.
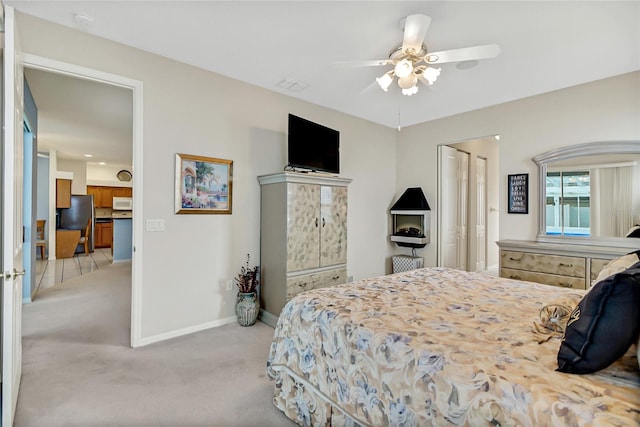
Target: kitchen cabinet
(303, 236)
(63, 193)
(103, 234)
(122, 191)
(103, 195)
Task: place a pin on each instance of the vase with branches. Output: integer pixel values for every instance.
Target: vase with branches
(248, 278)
(247, 304)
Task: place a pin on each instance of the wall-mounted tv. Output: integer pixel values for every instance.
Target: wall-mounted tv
(313, 146)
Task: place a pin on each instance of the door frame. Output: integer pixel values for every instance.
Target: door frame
(136, 86)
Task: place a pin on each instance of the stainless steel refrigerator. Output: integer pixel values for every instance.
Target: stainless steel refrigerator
(76, 217)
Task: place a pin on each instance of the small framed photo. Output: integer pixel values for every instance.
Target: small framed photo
(518, 197)
(203, 185)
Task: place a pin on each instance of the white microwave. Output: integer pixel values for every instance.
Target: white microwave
(122, 203)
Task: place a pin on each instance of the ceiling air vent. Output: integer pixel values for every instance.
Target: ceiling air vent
(292, 85)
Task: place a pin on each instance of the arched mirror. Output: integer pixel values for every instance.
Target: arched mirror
(590, 194)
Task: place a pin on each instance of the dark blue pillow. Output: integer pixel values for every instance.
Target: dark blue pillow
(603, 326)
(634, 231)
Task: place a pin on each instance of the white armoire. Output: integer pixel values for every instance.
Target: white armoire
(303, 237)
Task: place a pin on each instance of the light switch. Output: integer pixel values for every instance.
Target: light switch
(155, 225)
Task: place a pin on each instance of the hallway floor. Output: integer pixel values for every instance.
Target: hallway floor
(51, 273)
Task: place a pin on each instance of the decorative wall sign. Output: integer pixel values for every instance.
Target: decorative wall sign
(203, 185)
(518, 193)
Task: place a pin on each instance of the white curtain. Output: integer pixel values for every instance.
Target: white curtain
(614, 216)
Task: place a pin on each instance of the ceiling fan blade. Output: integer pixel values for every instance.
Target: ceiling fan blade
(464, 54)
(415, 30)
(372, 63)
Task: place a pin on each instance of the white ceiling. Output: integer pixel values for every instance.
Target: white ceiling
(546, 45)
(78, 117)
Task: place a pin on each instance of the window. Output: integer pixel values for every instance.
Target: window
(568, 203)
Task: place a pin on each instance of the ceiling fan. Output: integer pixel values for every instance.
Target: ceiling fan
(412, 62)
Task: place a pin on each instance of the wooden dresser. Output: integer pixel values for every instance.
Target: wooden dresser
(570, 266)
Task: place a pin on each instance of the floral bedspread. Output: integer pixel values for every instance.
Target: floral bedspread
(437, 346)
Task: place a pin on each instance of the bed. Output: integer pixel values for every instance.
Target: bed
(437, 346)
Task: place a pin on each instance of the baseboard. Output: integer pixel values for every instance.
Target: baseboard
(268, 318)
(185, 331)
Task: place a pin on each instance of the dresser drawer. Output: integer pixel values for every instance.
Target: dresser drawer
(547, 279)
(596, 267)
(553, 264)
(298, 284)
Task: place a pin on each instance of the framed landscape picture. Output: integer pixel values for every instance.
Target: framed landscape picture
(203, 185)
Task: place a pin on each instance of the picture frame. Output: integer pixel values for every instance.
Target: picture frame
(518, 193)
(203, 185)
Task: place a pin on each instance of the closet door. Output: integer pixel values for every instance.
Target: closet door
(303, 226)
(333, 225)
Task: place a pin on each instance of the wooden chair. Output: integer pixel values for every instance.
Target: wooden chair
(41, 243)
(84, 240)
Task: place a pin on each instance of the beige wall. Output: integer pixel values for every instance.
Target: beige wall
(79, 169)
(188, 110)
(107, 175)
(607, 109)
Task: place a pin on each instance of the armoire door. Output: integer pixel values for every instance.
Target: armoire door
(333, 225)
(303, 226)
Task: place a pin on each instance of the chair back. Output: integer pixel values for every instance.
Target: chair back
(40, 229)
(84, 240)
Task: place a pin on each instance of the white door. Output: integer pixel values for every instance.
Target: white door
(12, 230)
(448, 252)
(462, 212)
(481, 214)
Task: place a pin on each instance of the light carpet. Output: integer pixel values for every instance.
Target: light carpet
(79, 370)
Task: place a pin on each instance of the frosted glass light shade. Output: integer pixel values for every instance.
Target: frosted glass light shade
(431, 74)
(384, 81)
(403, 68)
(411, 91)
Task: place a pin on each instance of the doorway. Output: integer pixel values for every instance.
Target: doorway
(468, 183)
(70, 70)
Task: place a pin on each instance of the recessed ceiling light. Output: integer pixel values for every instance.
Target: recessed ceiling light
(88, 155)
(102, 163)
(497, 137)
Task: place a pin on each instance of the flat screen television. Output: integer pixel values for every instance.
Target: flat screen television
(313, 146)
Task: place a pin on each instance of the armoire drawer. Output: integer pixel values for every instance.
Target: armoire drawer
(298, 284)
(545, 278)
(543, 263)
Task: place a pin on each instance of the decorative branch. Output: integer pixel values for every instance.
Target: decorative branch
(248, 280)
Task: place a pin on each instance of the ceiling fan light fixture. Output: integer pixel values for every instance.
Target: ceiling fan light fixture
(408, 81)
(411, 91)
(385, 81)
(431, 74)
(403, 68)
